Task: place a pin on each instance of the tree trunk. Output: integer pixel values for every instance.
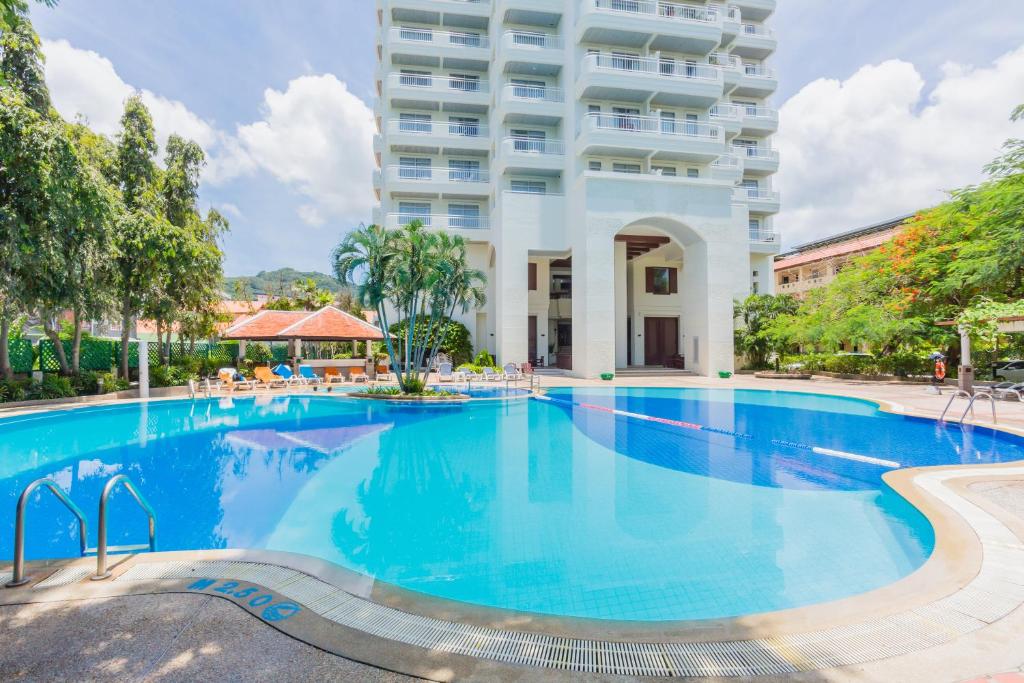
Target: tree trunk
(76, 346)
(5, 358)
(58, 346)
(126, 322)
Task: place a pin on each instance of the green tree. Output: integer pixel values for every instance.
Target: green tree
(754, 337)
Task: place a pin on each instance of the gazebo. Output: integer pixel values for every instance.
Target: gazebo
(329, 324)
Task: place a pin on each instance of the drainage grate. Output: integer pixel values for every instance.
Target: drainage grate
(64, 577)
(994, 592)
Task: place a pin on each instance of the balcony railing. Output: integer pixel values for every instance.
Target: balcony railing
(653, 125)
(758, 71)
(756, 31)
(727, 162)
(764, 237)
(445, 129)
(442, 38)
(530, 40)
(534, 93)
(666, 10)
(451, 84)
(724, 60)
(647, 65)
(439, 221)
(438, 174)
(761, 195)
(519, 145)
(757, 153)
(752, 112)
(725, 112)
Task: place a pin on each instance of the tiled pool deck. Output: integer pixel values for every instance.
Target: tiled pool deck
(958, 618)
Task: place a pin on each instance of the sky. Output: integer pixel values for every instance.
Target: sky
(884, 105)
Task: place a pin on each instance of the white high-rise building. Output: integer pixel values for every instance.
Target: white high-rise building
(610, 162)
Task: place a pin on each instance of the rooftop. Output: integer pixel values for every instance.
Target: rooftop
(859, 239)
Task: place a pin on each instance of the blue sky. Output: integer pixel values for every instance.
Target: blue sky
(875, 95)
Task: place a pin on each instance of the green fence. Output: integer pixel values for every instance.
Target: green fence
(102, 355)
(96, 354)
(19, 351)
(202, 351)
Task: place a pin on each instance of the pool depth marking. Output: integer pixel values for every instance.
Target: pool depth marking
(868, 460)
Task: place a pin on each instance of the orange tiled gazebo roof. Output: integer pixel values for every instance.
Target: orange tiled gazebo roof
(327, 324)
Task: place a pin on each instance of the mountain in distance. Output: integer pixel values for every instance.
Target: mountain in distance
(279, 282)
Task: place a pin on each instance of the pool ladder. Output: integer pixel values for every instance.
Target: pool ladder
(101, 549)
(972, 398)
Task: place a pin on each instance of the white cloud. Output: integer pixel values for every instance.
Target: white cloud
(84, 82)
(317, 137)
(231, 209)
(869, 148)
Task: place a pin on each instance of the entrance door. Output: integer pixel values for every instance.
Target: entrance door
(531, 327)
(661, 340)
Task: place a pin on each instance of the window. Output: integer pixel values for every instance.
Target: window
(668, 122)
(594, 165)
(531, 277)
(532, 90)
(625, 168)
(752, 188)
(627, 61)
(626, 118)
(418, 79)
(667, 66)
(414, 123)
(693, 173)
(669, 171)
(420, 34)
(464, 82)
(465, 171)
(749, 107)
(662, 281)
(529, 38)
(530, 186)
(414, 168)
(691, 68)
(691, 124)
(528, 140)
(754, 224)
(755, 287)
(464, 125)
(785, 279)
(411, 211)
(749, 146)
(467, 39)
(594, 108)
(464, 216)
(815, 274)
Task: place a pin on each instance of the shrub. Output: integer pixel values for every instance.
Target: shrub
(454, 340)
(15, 390)
(484, 359)
(258, 353)
(52, 386)
(173, 376)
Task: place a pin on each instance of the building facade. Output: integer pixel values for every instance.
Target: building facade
(609, 161)
(815, 264)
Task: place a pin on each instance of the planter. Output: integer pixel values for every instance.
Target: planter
(607, 376)
(725, 374)
(782, 375)
(405, 398)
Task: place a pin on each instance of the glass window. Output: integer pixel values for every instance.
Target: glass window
(414, 123)
(464, 82)
(533, 90)
(530, 186)
(660, 280)
(625, 168)
(754, 224)
(419, 79)
(421, 34)
(669, 171)
(528, 140)
(464, 216)
(467, 39)
(464, 125)
(693, 173)
(461, 169)
(414, 168)
(411, 211)
(594, 165)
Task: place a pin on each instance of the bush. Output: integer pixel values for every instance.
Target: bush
(454, 341)
(258, 353)
(15, 390)
(484, 359)
(52, 386)
(173, 376)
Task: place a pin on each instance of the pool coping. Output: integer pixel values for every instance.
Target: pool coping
(974, 577)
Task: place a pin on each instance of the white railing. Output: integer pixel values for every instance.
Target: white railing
(439, 221)
(650, 66)
(518, 145)
(668, 10)
(756, 31)
(725, 112)
(653, 125)
(532, 41)
(751, 112)
(443, 38)
(437, 174)
(761, 195)
(727, 162)
(758, 71)
(764, 237)
(758, 153)
(448, 84)
(534, 93)
(444, 129)
(724, 60)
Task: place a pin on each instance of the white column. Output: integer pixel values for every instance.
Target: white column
(143, 369)
(242, 345)
(512, 305)
(621, 336)
(593, 306)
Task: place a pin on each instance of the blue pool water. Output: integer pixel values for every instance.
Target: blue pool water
(542, 506)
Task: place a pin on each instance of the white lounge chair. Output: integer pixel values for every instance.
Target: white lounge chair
(491, 376)
(467, 375)
(1005, 392)
(444, 373)
(512, 372)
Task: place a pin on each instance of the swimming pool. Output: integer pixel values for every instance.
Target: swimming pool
(727, 503)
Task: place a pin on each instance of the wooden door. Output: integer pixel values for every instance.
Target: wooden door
(661, 340)
(531, 326)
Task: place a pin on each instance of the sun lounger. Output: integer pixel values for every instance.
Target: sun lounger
(512, 372)
(307, 373)
(444, 373)
(467, 375)
(265, 377)
(1012, 391)
(333, 376)
(290, 378)
(491, 376)
(358, 375)
(226, 378)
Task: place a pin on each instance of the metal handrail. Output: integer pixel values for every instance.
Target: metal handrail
(19, 526)
(959, 393)
(970, 406)
(101, 541)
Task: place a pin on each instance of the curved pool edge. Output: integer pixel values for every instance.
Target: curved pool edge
(974, 578)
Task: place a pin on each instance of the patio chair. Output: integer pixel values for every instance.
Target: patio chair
(307, 373)
(265, 377)
(333, 376)
(491, 376)
(358, 375)
(444, 373)
(290, 378)
(227, 379)
(467, 375)
(1014, 390)
(512, 372)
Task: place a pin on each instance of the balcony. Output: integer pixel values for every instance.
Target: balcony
(755, 80)
(755, 10)
(730, 66)
(428, 47)
(445, 93)
(535, 105)
(754, 41)
(438, 137)
(463, 13)
(658, 25)
(448, 183)
(728, 167)
(650, 136)
(765, 241)
(531, 53)
(758, 161)
(475, 226)
(642, 79)
(529, 12)
(531, 156)
(760, 201)
(731, 22)
(759, 120)
(729, 116)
